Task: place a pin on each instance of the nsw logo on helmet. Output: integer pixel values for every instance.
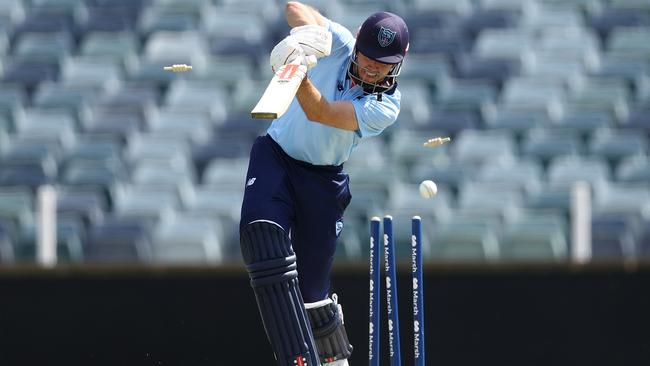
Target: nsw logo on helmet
(385, 36)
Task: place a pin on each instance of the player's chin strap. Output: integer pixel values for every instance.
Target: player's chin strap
(326, 318)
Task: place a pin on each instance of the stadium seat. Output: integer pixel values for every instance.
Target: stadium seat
(535, 237)
(525, 174)
(406, 147)
(472, 146)
(584, 122)
(502, 44)
(610, 19)
(622, 198)
(225, 171)
(416, 109)
(86, 205)
(76, 99)
(6, 249)
(114, 46)
(465, 239)
(517, 121)
(426, 68)
(147, 146)
(197, 96)
(629, 41)
(119, 240)
(564, 171)
(644, 241)
(100, 74)
(547, 144)
(614, 237)
(496, 70)
(187, 238)
(16, 206)
(614, 145)
(638, 120)
(69, 244)
(490, 198)
(634, 169)
(193, 126)
(145, 202)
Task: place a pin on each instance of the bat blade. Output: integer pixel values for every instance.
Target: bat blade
(280, 92)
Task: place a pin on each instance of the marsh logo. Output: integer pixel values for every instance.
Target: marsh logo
(386, 37)
(339, 227)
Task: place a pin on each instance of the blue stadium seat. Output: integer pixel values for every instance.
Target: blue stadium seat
(517, 121)
(644, 241)
(118, 126)
(535, 237)
(29, 74)
(629, 41)
(452, 123)
(225, 171)
(610, 19)
(473, 146)
(218, 148)
(188, 238)
(94, 176)
(584, 122)
(638, 119)
(472, 67)
(451, 43)
(622, 199)
(549, 198)
(547, 144)
(420, 20)
(424, 67)
(69, 243)
(194, 126)
(6, 249)
(527, 175)
(497, 199)
(461, 93)
(110, 19)
(87, 205)
(162, 18)
(198, 96)
(406, 147)
(461, 238)
(121, 240)
(91, 72)
(613, 237)
(614, 145)
(16, 208)
(482, 19)
(147, 146)
(634, 169)
(502, 44)
(564, 171)
(146, 202)
(75, 99)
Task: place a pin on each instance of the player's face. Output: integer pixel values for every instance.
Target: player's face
(371, 71)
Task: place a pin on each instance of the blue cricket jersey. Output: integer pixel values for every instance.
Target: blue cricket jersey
(319, 144)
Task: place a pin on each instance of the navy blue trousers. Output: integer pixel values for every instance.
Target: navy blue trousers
(307, 200)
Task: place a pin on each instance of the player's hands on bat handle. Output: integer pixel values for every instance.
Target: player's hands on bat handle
(315, 40)
(285, 52)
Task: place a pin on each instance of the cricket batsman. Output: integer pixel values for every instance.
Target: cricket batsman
(296, 190)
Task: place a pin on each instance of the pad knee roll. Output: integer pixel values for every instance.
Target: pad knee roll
(326, 318)
(271, 265)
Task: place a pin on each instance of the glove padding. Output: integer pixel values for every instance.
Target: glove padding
(286, 51)
(315, 40)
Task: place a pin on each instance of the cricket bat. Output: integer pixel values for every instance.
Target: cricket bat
(279, 94)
